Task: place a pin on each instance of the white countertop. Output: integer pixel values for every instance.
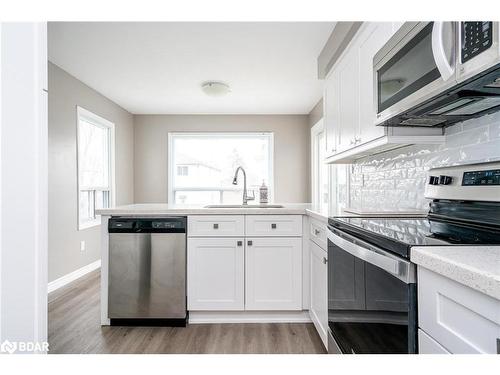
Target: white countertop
(477, 267)
(154, 209)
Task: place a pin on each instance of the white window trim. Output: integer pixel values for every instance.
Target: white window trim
(170, 154)
(315, 163)
(102, 122)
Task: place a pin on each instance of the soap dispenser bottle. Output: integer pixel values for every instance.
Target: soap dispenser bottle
(263, 193)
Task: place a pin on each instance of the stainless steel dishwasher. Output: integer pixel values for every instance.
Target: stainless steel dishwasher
(147, 271)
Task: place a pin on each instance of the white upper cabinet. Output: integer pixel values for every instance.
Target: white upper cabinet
(349, 107)
(371, 39)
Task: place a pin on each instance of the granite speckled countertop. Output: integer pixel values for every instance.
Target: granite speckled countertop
(477, 267)
(156, 209)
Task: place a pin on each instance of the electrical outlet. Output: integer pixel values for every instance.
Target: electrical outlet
(82, 245)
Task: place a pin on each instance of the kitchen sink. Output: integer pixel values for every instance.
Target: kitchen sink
(245, 206)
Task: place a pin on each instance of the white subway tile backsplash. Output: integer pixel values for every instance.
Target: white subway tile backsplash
(396, 179)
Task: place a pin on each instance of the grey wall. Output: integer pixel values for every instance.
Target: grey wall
(316, 113)
(65, 93)
(291, 150)
(396, 179)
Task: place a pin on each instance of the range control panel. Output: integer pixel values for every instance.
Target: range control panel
(476, 38)
(481, 178)
(473, 182)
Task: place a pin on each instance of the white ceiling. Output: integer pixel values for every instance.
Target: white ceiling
(157, 68)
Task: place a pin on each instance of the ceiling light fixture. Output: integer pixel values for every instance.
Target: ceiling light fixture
(215, 88)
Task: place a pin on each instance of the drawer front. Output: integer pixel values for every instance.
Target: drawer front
(460, 318)
(317, 233)
(216, 226)
(273, 225)
(427, 345)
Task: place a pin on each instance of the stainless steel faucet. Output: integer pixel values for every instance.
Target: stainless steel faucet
(246, 198)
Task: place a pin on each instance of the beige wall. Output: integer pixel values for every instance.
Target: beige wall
(291, 150)
(65, 93)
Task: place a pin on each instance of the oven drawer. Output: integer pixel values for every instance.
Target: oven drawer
(459, 318)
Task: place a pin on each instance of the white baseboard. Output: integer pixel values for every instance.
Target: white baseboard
(199, 317)
(66, 279)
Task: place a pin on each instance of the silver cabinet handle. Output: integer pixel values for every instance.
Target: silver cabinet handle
(273, 226)
(325, 260)
(239, 243)
(249, 243)
(216, 226)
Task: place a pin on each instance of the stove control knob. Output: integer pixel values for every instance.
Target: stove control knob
(433, 180)
(445, 180)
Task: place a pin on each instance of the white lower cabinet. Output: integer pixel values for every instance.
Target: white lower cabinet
(458, 318)
(215, 274)
(319, 298)
(273, 273)
(427, 345)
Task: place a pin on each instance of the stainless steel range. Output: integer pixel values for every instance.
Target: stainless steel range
(372, 284)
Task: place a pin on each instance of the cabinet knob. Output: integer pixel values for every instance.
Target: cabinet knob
(316, 232)
(249, 243)
(216, 226)
(334, 150)
(239, 243)
(357, 140)
(273, 226)
(325, 260)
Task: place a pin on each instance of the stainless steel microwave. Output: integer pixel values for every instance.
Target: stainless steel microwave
(437, 73)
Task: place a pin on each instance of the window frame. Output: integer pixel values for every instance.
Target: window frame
(170, 158)
(82, 113)
(317, 129)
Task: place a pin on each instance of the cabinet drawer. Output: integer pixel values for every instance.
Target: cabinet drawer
(317, 233)
(427, 345)
(216, 226)
(459, 318)
(273, 225)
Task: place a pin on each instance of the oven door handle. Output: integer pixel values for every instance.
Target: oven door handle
(443, 49)
(399, 268)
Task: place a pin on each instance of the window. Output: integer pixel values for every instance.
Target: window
(319, 169)
(202, 166)
(95, 166)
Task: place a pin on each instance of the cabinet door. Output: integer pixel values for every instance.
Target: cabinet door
(215, 274)
(331, 108)
(348, 94)
(273, 273)
(319, 299)
(372, 37)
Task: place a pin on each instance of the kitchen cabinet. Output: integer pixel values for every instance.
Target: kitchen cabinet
(349, 106)
(457, 318)
(318, 310)
(215, 273)
(273, 273)
(244, 262)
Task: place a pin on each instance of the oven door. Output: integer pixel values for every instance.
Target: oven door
(417, 63)
(372, 303)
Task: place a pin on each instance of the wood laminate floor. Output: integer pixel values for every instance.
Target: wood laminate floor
(74, 327)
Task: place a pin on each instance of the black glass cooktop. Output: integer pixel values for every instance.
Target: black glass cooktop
(400, 234)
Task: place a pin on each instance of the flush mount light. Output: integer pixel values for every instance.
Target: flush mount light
(215, 88)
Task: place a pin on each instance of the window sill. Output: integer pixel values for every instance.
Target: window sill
(89, 224)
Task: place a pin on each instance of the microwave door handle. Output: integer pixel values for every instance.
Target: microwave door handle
(444, 59)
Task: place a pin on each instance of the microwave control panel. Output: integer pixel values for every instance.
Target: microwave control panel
(476, 38)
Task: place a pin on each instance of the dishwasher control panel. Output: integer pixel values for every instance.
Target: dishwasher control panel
(147, 225)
